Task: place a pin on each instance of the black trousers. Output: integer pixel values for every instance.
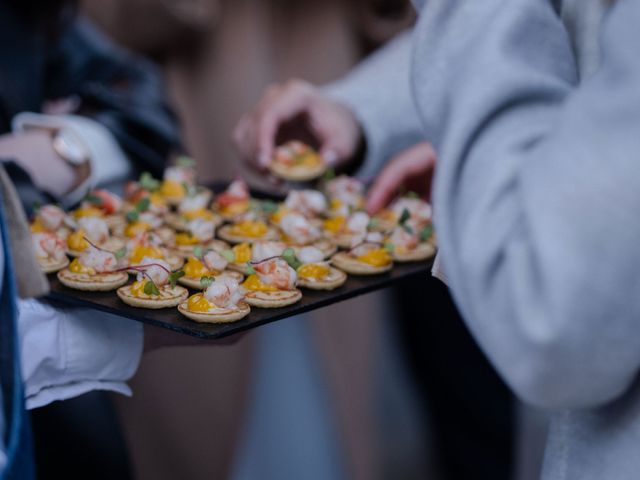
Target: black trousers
(470, 409)
(80, 438)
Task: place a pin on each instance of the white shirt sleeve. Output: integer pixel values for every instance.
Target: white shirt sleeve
(109, 163)
(67, 352)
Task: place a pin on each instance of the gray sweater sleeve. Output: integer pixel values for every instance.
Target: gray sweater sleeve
(537, 194)
(378, 92)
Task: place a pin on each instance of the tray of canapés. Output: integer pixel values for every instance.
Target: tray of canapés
(181, 256)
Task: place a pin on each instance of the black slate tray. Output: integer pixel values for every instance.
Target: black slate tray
(173, 320)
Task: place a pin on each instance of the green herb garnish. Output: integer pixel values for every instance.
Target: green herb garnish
(143, 205)
(184, 161)
(406, 215)
(198, 252)
(151, 288)
(373, 223)
(269, 207)
(250, 269)
(174, 277)
(94, 199)
(426, 233)
(329, 175)
(120, 253)
(229, 256)
(389, 247)
(205, 282)
(148, 182)
(407, 229)
(289, 256)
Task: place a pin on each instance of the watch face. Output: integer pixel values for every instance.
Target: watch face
(70, 147)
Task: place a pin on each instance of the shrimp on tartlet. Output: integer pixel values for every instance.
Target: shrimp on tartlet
(234, 201)
(220, 302)
(315, 273)
(155, 286)
(208, 263)
(272, 284)
(295, 161)
(95, 269)
(200, 234)
(366, 258)
(50, 251)
(91, 230)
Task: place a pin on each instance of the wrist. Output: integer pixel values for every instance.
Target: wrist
(33, 151)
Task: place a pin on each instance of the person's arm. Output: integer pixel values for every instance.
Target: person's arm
(378, 92)
(373, 103)
(536, 193)
(32, 145)
(66, 352)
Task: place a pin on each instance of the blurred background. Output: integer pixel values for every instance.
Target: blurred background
(366, 389)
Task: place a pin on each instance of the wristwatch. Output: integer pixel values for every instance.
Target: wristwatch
(70, 147)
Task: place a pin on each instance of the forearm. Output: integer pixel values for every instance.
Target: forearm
(34, 153)
(544, 275)
(378, 93)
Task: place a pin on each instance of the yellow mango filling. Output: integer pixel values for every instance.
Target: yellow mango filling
(199, 213)
(172, 189)
(140, 252)
(37, 227)
(186, 239)
(334, 225)
(249, 229)
(199, 304)
(76, 267)
(277, 216)
(134, 228)
(235, 208)
(307, 159)
(137, 288)
(286, 239)
(76, 241)
(156, 199)
(376, 258)
(195, 268)
(387, 214)
(87, 212)
(316, 271)
(242, 253)
(254, 284)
